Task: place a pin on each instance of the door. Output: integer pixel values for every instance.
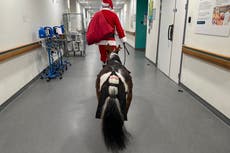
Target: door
(166, 35)
(141, 25)
(171, 35)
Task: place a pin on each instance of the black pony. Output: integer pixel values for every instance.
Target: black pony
(114, 92)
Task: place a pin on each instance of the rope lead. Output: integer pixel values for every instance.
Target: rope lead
(125, 50)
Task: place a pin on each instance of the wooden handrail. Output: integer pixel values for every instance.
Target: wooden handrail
(5, 55)
(218, 59)
(131, 33)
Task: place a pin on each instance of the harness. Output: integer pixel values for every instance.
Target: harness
(112, 84)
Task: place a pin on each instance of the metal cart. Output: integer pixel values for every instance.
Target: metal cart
(75, 39)
(53, 42)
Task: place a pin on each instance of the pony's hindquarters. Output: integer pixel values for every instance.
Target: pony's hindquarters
(114, 132)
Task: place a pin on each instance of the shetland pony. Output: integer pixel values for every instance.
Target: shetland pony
(114, 93)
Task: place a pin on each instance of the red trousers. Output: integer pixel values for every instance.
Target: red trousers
(103, 52)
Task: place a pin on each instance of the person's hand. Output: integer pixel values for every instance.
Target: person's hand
(124, 40)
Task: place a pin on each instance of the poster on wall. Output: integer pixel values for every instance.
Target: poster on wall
(213, 18)
(133, 21)
(151, 14)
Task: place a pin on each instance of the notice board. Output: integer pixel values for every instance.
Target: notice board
(213, 18)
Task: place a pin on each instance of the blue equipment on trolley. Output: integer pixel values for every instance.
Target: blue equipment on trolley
(54, 45)
(58, 30)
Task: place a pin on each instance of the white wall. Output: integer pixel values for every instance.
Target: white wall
(130, 24)
(152, 37)
(220, 45)
(209, 81)
(123, 15)
(20, 21)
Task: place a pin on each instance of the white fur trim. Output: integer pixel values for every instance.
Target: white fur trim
(103, 78)
(107, 42)
(109, 9)
(113, 91)
(104, 4)
(124, 39)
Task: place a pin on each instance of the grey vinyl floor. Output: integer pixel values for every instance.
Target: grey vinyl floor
(58, 117)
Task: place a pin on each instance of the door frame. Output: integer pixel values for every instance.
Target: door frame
(185, 27)
(159, 32)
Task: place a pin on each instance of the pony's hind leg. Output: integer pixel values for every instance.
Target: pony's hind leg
(97, 88)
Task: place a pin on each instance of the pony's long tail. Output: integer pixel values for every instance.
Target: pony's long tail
(114, 132)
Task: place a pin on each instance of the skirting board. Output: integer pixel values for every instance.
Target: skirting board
(220, 115)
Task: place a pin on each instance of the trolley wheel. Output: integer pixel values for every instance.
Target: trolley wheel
(66, 68)
(48, 79)
(60, 77)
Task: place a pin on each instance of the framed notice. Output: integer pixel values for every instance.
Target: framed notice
(213, 18)
(151, 14)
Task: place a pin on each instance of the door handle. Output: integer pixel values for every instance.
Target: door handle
(170, 32)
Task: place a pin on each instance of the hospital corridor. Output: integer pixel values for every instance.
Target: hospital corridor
(115, 76)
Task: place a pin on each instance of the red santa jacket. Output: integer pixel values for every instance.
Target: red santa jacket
(114, 21)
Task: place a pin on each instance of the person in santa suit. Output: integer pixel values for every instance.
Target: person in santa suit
(113, 20)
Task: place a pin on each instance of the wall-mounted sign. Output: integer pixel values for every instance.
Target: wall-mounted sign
(213, 17)
(133, 21)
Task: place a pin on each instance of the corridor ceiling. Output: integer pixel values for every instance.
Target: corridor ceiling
(95, 5)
